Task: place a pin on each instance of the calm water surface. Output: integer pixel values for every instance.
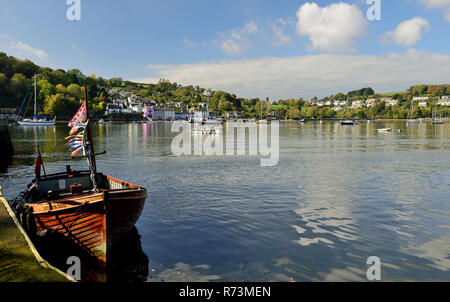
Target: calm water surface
(338, 195)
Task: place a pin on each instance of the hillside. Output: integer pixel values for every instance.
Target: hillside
(60, 92)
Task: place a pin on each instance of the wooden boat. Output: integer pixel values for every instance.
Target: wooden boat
(94, 220)
(91, 209)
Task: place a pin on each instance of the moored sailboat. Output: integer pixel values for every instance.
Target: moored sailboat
(36, 120)
(435, 120)
(410, 120)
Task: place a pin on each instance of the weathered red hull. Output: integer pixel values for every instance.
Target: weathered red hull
(93, 221)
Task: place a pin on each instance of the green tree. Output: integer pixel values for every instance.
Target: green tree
(74, 90)
(45, 89)
(59, 105)
(60, 88)
(3, 83)
(18, 85)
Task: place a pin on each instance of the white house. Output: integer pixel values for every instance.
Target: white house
(200, 116)
(163, 114)
(422, 104)
(234, 115)
(357, 104)
(371, 102)
(444, 102)
(338, 108)
(420, 98)
(112, 108)
(391, 103)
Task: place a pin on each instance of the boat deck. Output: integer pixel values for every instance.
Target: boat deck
(19, 260)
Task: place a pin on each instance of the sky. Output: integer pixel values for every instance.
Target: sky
(253, 48)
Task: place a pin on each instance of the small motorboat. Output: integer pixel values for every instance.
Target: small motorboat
(413, 122)
(302, 121)
(385, 130)
(209, 127)
(348, 123)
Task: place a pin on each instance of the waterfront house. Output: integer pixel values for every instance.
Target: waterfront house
(320, 103)
(391, 103)
(371, 102)
(357, 104)
(112, 108)
(444, 102)
(338, 108)
(162, 114)
(422, 104)
(201, 115)
(136, 108)
(234, 115)
(420, 98)
(183, 116)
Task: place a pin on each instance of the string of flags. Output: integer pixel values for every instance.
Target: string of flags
(75, 140)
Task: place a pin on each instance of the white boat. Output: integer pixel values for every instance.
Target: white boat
(348, 123)
(435, 120)
(385, 130)
(413, 122)
(36, 120)
(210, 127)
(410, 120)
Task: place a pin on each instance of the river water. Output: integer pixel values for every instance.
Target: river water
(338, 195)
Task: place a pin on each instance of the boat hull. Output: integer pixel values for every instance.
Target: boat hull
(93, 221)
(22, 123)
(413, 122)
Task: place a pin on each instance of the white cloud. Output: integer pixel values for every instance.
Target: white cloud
(311, 75)
(436, 3)
(332, 28)
(408, 32)
(237, 42)
(21, 49)
(278, 28)
(76, 49)
(440, 4)
(41, 54)
(188, 43)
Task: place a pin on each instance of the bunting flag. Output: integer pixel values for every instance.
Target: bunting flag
(75, 140)
(80, 117)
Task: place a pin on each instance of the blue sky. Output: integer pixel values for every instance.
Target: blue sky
(249, 47)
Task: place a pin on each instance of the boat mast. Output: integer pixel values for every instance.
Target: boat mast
(35, 96)
(91, 152)
(261, 111)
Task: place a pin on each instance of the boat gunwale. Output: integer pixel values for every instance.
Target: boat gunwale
(88, 203)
